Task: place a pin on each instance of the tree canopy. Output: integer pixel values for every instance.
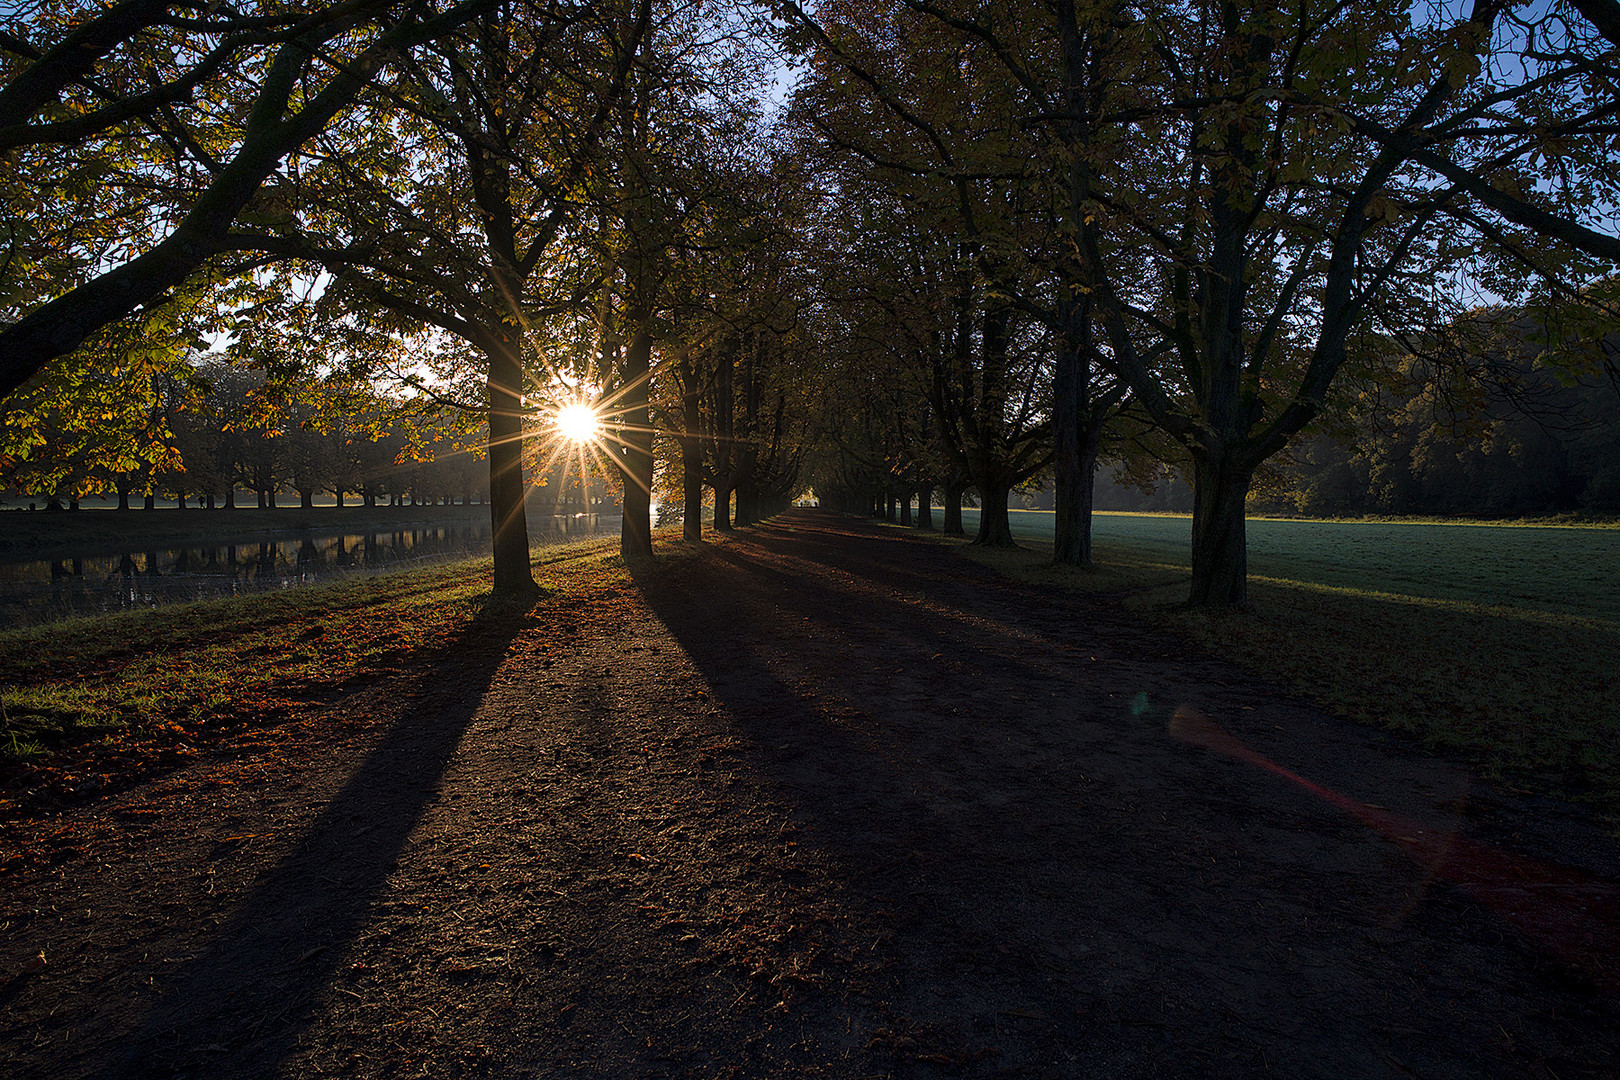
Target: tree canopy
(887, 247)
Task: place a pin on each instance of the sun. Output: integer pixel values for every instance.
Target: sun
(577, 423)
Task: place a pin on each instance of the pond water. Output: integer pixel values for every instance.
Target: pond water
(43, 590)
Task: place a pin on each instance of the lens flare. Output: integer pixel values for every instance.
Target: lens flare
(577, 423)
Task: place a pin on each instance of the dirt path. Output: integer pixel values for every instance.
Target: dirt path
(821, 801)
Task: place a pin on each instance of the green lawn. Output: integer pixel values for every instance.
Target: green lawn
(1563, 570)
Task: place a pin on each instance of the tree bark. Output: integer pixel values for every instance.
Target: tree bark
(1075, 500)
(995, 530)
(905, 509)
(1219, 541)
(507, 521)
(925, 507)
(1076, 437)
(722, 508)
(747, 503)
(691, 456)
(635, 458)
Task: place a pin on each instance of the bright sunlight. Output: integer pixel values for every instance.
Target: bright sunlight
(578, 423)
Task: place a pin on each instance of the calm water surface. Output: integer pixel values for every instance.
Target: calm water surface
(35, 590)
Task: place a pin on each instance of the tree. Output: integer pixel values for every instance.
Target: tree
(103, 415)
(909, 116)
(1279, 171)
(504, 117)
(197, 103)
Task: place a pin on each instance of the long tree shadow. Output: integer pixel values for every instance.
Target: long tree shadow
(874, 783)
(238, 1007)
(1048, 851)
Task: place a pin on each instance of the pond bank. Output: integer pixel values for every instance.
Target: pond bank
(89, 565)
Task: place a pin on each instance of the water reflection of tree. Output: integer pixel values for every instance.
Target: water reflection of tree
(130, 579)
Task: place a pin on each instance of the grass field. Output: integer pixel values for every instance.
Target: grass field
(1569, 570)
(1498, 643)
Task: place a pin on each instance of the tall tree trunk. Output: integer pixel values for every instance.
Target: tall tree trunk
(1076, 438)
(1219, 536)
(725, 430)
(691, 455)
(952, 524)
(635, 459)
(925, 507)
(995, 530)
(306, 499)
(747, 503)
(505, 447)
(905, 508)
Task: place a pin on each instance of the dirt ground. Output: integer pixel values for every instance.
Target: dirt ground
(820, 801)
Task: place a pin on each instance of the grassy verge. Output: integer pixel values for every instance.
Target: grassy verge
(126, 682)
(1530, 697)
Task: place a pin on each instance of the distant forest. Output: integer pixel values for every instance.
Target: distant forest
(1499, 433)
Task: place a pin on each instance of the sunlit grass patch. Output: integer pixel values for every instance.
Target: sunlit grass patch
(1537, 565)
(170, 672)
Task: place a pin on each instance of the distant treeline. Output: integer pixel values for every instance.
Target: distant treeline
(1499, 435)
(1553, 461)
(221, 431)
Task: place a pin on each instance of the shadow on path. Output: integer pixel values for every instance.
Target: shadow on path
(247, 997)
(1074, 892)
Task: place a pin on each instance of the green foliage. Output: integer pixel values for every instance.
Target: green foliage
(102, 412)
